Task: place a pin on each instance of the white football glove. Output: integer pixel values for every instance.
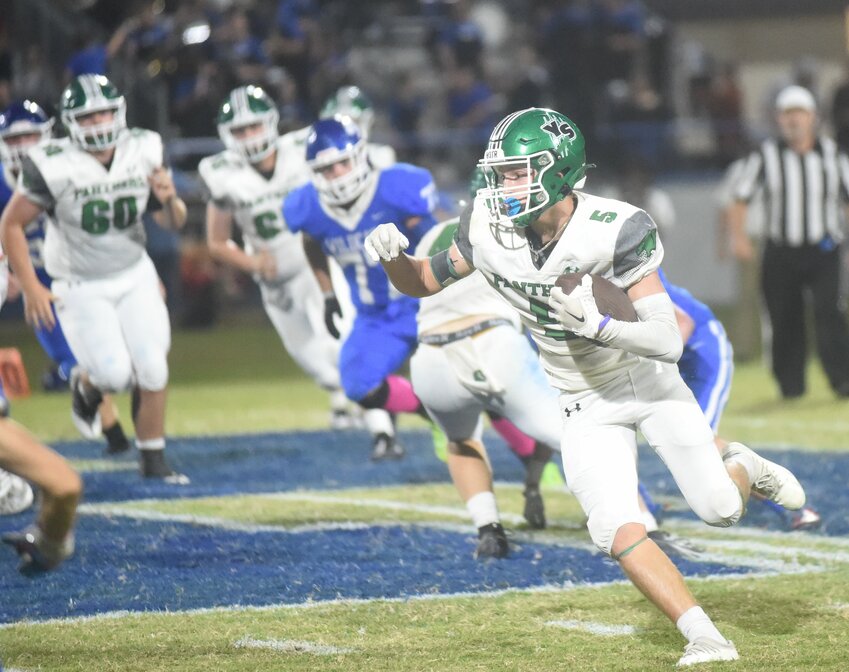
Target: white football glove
(577, 311)
(385, 243)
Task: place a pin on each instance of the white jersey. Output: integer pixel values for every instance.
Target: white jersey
(472, 296)
(604, 236)
(256, 201)
(95, 229)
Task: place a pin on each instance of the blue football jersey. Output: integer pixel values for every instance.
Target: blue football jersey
(402, 191)
(698, 312)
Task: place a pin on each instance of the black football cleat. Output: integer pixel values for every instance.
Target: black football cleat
(676, 546)
(534, 508)
(34, 559)
(385, 447)
(154, 465)
(492, 542)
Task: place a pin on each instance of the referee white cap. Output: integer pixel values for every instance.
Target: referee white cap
(795, 98)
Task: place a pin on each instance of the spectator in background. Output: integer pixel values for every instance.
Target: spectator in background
(149, 34)
(573, 75)
(531, 88)
(459, 41)
(196, 87)
(472, 108)
(471, 102)
(238, 48)
(725, 106)
(406, 106)
(91, 55)
(291, 44)
(36, 79)
(622, 38)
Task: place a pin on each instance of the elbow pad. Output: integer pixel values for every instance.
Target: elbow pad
(655, 336)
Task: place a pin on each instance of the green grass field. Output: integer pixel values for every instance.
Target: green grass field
(792, 615)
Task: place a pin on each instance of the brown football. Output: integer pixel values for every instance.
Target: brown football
(608, 297)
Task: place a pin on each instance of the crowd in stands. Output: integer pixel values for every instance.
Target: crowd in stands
(439, 71)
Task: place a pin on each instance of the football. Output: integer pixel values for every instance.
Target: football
(608, 297)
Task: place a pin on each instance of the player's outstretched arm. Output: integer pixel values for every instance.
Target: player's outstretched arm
(222, 247)
(38, 301)
(414, 276)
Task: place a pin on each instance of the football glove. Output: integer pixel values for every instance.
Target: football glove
(577, 311)
(385, 243)
(331, 308)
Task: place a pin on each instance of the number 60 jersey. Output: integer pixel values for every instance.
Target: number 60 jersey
(95, 228)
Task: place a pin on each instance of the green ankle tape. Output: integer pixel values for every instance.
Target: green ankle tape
(629, 549)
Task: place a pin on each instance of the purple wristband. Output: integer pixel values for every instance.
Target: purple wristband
(603, 323)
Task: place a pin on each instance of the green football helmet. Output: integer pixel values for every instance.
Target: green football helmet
(85, 95)
(350, 101)
(249, 106)
(543, 151)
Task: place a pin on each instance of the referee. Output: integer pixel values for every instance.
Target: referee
(804, 179)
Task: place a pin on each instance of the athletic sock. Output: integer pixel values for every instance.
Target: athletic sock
(116, 439)
(695, 623)
(401, 398)
(483, 509)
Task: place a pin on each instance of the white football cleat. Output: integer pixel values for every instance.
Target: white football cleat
(707, 650)
(773, 481)
(15, 494)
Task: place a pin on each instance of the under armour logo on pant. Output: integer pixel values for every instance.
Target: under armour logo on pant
(569, 411)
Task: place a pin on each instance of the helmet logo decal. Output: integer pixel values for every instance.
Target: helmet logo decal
(557, 128)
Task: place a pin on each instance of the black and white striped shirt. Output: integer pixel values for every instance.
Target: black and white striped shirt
(802, 192)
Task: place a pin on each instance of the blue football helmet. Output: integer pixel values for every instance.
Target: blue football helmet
(22, 118)
(333, 141)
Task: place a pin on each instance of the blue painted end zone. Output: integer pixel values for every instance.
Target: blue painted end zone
(126, 564)
(225, 465)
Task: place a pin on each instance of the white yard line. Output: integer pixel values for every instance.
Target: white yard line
(290, 646)
(547, 588)
(128, 509)
(593, 628)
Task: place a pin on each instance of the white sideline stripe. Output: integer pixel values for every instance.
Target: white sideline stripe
(565, 587)
(600, 629)
(290, 646)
